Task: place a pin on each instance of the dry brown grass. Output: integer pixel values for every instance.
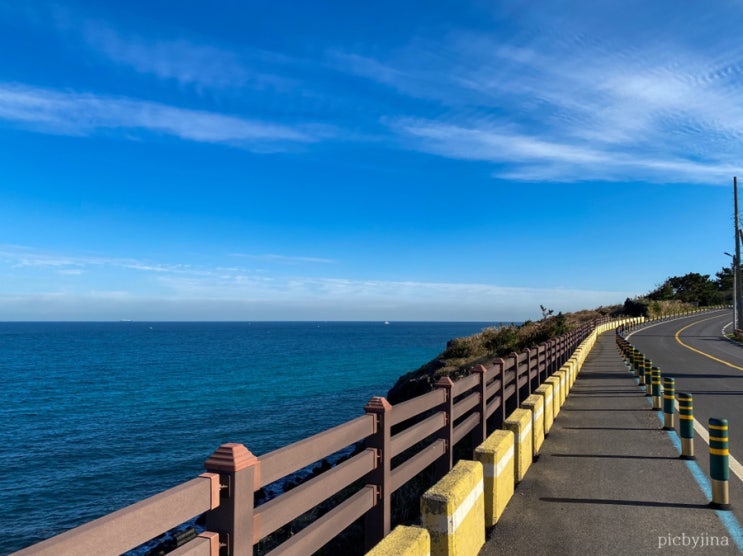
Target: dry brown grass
(461, 354)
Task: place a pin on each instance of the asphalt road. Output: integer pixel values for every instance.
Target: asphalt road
(694, 351)
(609, 480)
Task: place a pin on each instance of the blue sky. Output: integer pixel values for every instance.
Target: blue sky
(282, 160)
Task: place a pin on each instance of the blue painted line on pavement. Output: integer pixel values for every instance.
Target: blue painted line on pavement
(727, 518)
(732, 525)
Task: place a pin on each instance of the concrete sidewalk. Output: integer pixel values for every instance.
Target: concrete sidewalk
(609, 480)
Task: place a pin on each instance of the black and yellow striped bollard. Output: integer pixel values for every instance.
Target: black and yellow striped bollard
(686, 425)
(648, 377)
(636, 358)
(641, 369)
(627, 356)
(656, 391)
(669, 407)
(719, 469)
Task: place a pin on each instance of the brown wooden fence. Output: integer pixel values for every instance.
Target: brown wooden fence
(389, 446)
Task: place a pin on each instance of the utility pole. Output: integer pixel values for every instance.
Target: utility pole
(737, 290)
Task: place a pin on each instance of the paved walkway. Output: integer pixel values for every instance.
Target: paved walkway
(609, 480)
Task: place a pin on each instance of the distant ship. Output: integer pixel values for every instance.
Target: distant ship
(386, 322)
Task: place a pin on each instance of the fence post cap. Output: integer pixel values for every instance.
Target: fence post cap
(378, 404)
(444, 382)
(230, 458)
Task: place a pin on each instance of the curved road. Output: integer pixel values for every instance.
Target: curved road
(694, 351)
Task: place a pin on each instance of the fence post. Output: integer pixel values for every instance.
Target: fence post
(446, 462)
(480, 432)
(573, 340)
(542, 352)
(239, 478)
(551, 358)
(500, 366)
(515, 358)
(377, 521)
(529, 369)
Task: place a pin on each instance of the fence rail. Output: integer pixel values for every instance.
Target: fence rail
(389, 446)
(131, 526)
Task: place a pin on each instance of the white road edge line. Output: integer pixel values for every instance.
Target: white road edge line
(734, 464)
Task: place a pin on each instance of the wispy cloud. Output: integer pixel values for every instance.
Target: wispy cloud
(562, 107)
(84, 114)
(525, 157)
(336, 297)
(284, 259)
(186, 62)
(545, 94)
(324, 297)
(18, 256)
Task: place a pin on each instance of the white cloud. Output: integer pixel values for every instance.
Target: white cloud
(524, 157)
(284, 259)
(186, 62)
(564, 104)
(187, 291)
(18, 256)
(379, 302)
(84, 114)
(592, 94)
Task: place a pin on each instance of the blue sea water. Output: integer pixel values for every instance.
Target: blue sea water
(96, 416)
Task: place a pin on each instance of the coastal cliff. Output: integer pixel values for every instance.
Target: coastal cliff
(462, 354)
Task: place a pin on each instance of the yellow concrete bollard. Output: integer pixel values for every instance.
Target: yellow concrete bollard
(573, 374)
(453, 511)
(571, 370)
(571, 364)
(497, 457)
(404, 541)
(519, 422)
(566, 368)
(555, 382)
(545, 390)
(535, 404)
(562, 375)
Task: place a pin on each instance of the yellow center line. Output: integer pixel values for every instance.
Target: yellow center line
(735, 465)
(695, 350)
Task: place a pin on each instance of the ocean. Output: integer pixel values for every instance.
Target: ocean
(97, 416)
